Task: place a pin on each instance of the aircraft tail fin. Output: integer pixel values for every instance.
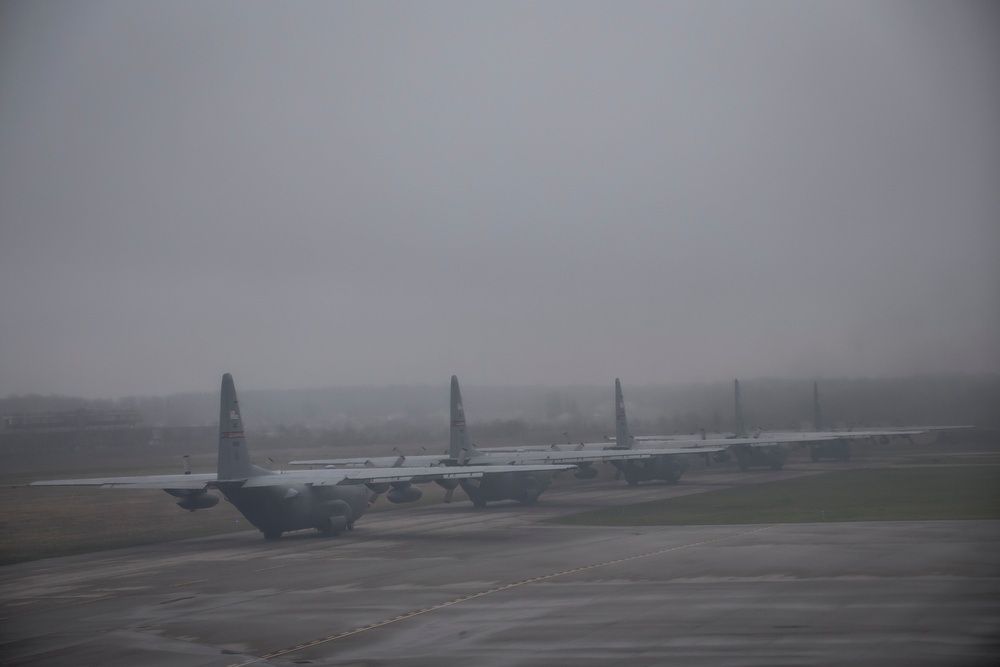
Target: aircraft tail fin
(459, 436)
(817, 413)
(623, 439)
(741, 429)
(234, 459)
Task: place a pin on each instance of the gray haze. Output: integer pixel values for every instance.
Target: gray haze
(324, 194)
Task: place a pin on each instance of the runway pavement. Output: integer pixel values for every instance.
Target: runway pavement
(449, 584)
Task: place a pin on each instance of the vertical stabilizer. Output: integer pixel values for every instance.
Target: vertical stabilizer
(623, 440)
(459, 436)
(234, 460)
(741, 429)
(817, 414)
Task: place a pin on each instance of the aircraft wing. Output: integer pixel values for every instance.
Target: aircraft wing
(689, 449)
(722, 443)
(696, 445)
(417, 474)
(859, 434)
(523, 458)
(199, 481)
(377, 461)
(324, 477)
(598, 456)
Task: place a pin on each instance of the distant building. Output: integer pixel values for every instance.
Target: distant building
(74, 419)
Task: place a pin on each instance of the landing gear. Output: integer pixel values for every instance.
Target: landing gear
(334, 525)
(328, 530)
(633, 474)
(838, 450)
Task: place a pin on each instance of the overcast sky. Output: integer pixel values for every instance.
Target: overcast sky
(315, 194)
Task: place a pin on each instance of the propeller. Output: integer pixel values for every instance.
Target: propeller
(374, 496)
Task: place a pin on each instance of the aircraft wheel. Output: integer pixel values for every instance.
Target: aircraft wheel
(328, 531)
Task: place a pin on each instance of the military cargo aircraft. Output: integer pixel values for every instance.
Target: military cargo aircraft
(276, 502)
(832, 444)
(525, 486)
(769, 448)
(530, 485)
(665, 461)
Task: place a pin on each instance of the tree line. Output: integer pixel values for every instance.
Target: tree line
(569, 413)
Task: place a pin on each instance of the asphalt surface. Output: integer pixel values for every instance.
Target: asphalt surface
(449, 584)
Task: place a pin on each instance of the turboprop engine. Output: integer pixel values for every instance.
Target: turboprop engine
(194, 499)
(449, 486)
(403, 492)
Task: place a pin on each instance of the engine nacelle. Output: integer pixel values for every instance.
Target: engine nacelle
(404, 493)
(585, 472)
(378, 488)
(449, 484)
(195, 500)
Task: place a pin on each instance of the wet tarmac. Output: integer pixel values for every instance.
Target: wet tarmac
(428, 586)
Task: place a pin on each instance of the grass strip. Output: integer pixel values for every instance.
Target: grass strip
(44, 522)
(883, 494)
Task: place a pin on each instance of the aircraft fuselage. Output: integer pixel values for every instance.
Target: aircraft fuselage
(666, 468)
(524, 487)
(759, 457)
(838, 450)
(279, 509)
